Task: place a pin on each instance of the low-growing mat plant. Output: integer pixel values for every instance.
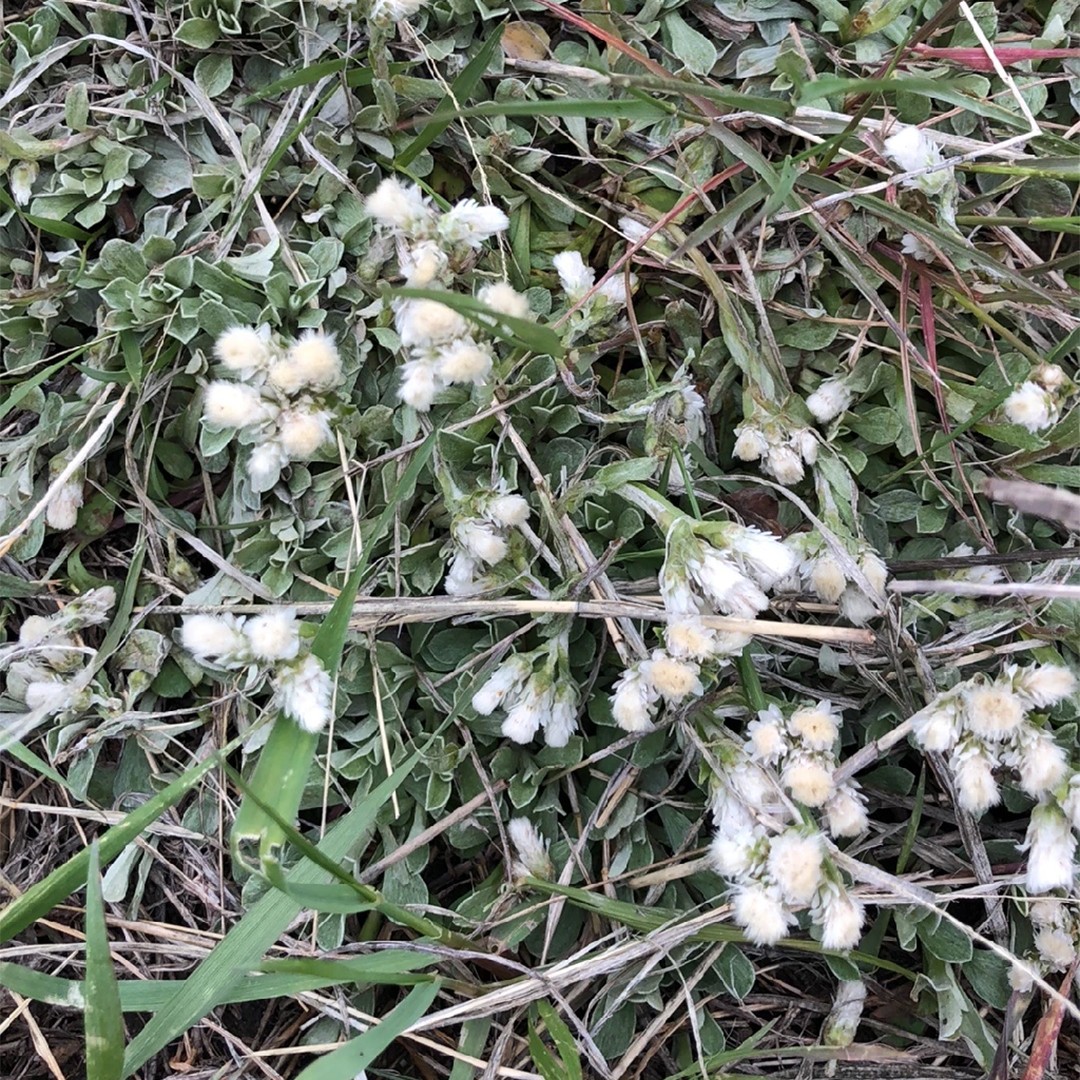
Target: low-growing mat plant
(539, 541)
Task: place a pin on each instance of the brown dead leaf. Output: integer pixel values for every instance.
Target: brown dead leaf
(525, 41)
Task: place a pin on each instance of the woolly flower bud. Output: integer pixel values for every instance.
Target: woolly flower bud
(1050, 376)
(49, 695)
(525, 715)
(471, 223)
(233, 405)
(976, 788)
(531, 850)
(480, 540)
(917, 248)
(765, 558)
(303, 431)
(1031, 407)
(761, 914)
(690, 637)
(505, 299)
(633, 701)
(265, 464)
(393, 204)
(829, 400)
(504, 683)
(463, 361)
(561, 722)
(808, 780)
(50, 643)
(427, 322)
(461, 579)
(750, 444)
(937, 727)
(1056, 947)
(994, 711)
(732, 854)
(1043, 765)
(856, 606)
(419, 384)
(273, 635)
(672, 679)
(242, 349)
(424, 264)
(63, 509)
(912, 150)
(614, 290)
(576, 278)
(827, 579)
(510, 511)
(1051, 846)
(726, 586)
(316, 360)
(21, 176)
(766, 739)
(875, 571)
(816, 726)
(215, 638)
(304, 693)
(846, 813)
(794, 863)
(1046, 684)
(842, 922)
(785, 464)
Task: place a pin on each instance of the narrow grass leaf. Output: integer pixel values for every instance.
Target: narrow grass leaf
(348, 1060)
(103, 1018)
(394, 966)
(563, 1040)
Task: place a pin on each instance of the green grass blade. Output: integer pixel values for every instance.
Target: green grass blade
(395, 966)
(62, 882)
(103, 1019)
(460, 90)
(562, 1038)
(348, 1060)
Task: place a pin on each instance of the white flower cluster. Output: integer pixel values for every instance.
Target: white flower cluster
(820, 572)
(276, 397)
(639, 689)
(440, 345)
(535, 691)
(63, 509)
(783, 450)
(830, 399)
(479, 533)
(912, 150)
(271, 641)
(1055, 924)
(605, 304)
(1037, 403)
(530, 850)
(44, 667)
(776, 863)
(984, 725)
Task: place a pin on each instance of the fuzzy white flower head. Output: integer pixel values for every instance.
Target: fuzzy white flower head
(766, 739)
(21, 176)
(766, 559)
(502, 297)
(633, 701)
(842, 921)
(845, 812)
(875, 571)
(303, 431)
(63, 509)
(815, 726)
(576, 278)
(423, 264)
(233, 405)
(976, 787)
(1042, 764)
(480, 540)
(273, 635)
(510, 511)
(614, 290)
(49, 643)
(688, 636)
(917, 248)
(784, 464)
(993, 711)
(315, 359)
(463, 361)
(827, 578)
(218, 639)
(428, 322)
(1056, 947)
(750, 443)
(531, 850)
(1051, 847)
(857, 607)
(561, 722)
(524, 717)
(732, 854)
(937, 727)
(419, 384)
(829, 400)
(761, 914)
(397, 206)
(672, 679)
(632, 229)
(725, 585)
(304, 693)
(265, 463)
(461, 578)
(1050, 376)
(808, 780)
(1046, 684)
(471, 223)
(911, 149)
(243, 349)
(1031, 407)
(49, 695)
(794, 863)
